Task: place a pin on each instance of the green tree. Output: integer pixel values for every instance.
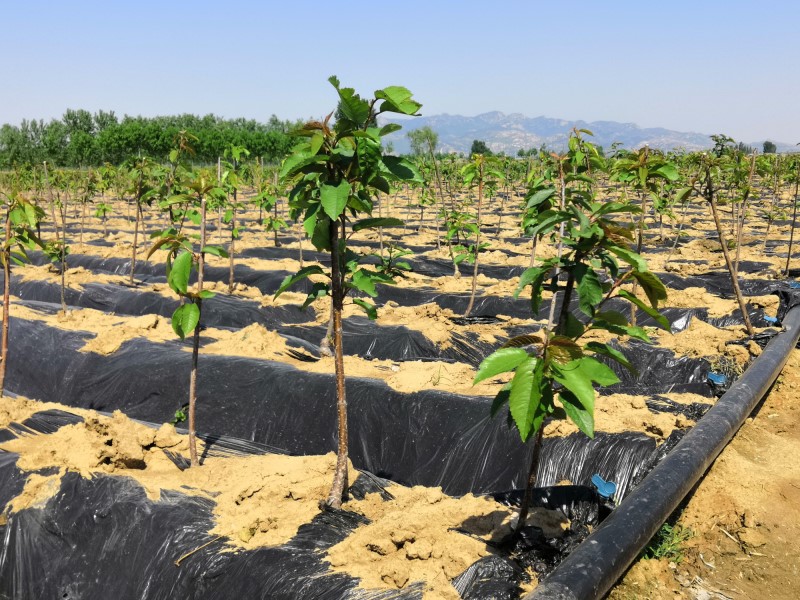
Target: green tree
(770, 147)
(423, 140)
(336, 173)
(479, 147)
(21, 220)
(556, 364)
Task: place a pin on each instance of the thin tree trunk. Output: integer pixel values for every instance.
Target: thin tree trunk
(232, 249)
(678, 236)
(562, 203)
(794, 222)
(83, 220)
(340, 483)
(52, 202)
(441, 197)
(530, 482)
(135, 243)
(64, 266)
(533, 251)
(6, 306)
(477, 244)
(380, 229)
(275, 213)
(724, 243)
(196, 342)
(742, 212)
(300, 241)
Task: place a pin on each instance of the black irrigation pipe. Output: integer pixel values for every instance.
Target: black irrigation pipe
(590, 571)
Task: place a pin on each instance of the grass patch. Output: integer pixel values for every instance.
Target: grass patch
(668, 543)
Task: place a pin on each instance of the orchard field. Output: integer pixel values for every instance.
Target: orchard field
(350, 374)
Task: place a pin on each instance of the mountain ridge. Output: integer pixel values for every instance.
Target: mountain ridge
(511, 132)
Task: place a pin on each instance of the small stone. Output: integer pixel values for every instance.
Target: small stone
(247, 532)
(748, 520)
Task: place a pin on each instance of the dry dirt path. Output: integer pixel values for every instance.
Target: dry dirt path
(744, 515)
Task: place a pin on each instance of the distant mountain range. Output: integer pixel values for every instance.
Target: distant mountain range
(510, 133)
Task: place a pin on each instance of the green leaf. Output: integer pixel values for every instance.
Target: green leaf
(397, 99)
(539, 197)
(30, 213)
(178, 278)
(215, 250)
(402, 169)
(294, 163)
(563, 350)
(577, 376)
(185, 319)
(590, 291)
(635, 332)
(612, 316)
(500, 361)
(205, 294)
(333, 198)
(526, 395)
(303, 273)
(368, 307)
(657, 316)
(533, 276)
(364, 282)
(682, 194)
(318, 290)
(316, 142)
(352, 107)
(500, 399)
(668, 171)
(612, 353)
(520, 341)
(573, 327)
(321, 235)
(652, 286)
(629, 256)
(389, 128)
(578, 414)
(373, 223)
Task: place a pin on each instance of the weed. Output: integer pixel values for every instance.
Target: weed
(668, 543)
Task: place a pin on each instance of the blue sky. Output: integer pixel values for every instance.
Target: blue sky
(710, 66)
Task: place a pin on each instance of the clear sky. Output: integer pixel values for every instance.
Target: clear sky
(712, 66)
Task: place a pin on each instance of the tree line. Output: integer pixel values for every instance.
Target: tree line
(82, 139)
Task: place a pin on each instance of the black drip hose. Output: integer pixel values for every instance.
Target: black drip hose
(591, 570)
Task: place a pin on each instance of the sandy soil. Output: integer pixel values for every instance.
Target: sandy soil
(744, 515)
(409, 538)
